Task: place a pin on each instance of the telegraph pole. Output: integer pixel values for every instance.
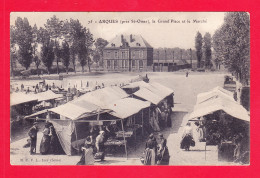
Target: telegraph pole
(190, 58)
(158, 61)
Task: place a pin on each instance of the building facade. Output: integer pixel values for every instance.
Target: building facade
(128, 53)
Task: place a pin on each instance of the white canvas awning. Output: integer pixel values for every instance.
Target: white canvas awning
(218, 103)
(126, 107)
(20, 98)
(148, 96)
(103, 97)
(218, 91)
(153, 92)
(48, 95)
(71, 111)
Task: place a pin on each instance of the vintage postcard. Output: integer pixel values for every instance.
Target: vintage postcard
(130, 88)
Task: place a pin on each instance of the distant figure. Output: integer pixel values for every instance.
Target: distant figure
(33, 137)
(37, 88)
(17, 89)
(53, 86)
(22, 87)
(187, 74)
(28, 90)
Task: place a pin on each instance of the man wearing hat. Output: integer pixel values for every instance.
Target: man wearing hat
(33, 136)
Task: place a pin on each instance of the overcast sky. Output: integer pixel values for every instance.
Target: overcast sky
(157, 34)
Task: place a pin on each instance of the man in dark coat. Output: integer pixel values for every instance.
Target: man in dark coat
(33, 136)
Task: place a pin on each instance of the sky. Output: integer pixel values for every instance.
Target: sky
(160, 29)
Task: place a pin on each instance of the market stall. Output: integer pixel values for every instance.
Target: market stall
(222, 120)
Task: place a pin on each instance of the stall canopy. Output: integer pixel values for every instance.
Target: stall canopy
(105, 96)
(20, 98)
(136, 85)
(153, 92)
(217, 103)
(76, 109)
(48, 95)
(126, 107)
(148, 96)
(218, 91)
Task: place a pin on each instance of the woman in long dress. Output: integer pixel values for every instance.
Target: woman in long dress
(163, 152)
(45, 142)
(187, 137)
(150, 151)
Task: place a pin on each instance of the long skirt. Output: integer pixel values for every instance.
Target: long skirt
(150, 157)
(186, 142)
(87, 157)
(45, 144)
(164, 157)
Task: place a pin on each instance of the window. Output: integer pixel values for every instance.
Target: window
(141, 64)
(108, 54)
(108, 63)
(115, 63)
(133, 63)
(116, 55)
(133, 54)
(123, 63)
(141, 54)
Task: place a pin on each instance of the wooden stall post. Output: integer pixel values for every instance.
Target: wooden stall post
(124, 136)
(76, 135)
(205, 150)
(142, 123)
(135, 129)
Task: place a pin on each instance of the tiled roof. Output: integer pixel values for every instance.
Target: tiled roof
(136, 41)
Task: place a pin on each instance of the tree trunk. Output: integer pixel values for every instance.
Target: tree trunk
(37, 67)
(89, 68)
(48, 70)
(82, 69)
(58, 65)
(74, 67)
(67, 70)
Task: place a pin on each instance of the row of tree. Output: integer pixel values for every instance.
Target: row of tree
(203, 47)
(58, 40)
(231, 43)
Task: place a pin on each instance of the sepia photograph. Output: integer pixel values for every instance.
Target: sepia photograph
(130, 88)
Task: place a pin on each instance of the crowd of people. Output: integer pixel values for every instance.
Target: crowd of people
(156, 151)
(160, 117)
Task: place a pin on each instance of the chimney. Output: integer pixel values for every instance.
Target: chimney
(131, 38)
(122, 39)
